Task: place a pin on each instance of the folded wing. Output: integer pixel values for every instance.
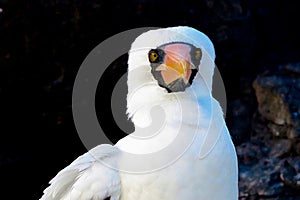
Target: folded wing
(88, 177)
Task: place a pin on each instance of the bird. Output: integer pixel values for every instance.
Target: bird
(181, 147)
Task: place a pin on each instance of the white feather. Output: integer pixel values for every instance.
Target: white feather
(87, 177)
(207, 169)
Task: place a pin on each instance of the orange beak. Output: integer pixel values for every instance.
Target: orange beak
(177, 63)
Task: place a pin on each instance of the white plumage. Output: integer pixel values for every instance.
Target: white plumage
(205, 170)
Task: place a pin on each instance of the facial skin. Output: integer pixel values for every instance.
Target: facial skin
(174, 65)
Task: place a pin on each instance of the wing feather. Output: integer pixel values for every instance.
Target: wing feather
(87, 177)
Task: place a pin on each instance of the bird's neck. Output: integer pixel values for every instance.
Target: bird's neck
(185, 108)
(160, 119)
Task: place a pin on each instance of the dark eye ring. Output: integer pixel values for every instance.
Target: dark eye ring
(153, 56)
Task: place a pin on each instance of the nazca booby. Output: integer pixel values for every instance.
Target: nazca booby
(171, 68)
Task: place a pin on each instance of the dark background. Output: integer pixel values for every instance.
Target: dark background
(44, 42)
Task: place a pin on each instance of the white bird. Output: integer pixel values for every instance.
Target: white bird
(186, 154)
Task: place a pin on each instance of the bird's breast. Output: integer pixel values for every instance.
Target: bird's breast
(213, 177)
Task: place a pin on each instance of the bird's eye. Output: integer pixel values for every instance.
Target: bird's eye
(198, 54)
(153, 56)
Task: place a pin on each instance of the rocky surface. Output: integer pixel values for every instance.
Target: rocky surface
(269, 161)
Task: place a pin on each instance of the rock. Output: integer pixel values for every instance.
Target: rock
(270, 93)
(297, 147)
(290, 172)
(278, 97)
(278, 130)
(295, 162)
(293, 133)
(261, 179)
(269, 177)
(280, 147)
(270, 161)
(259, 166)
(260, 129)
(289, 176)
(249, 153)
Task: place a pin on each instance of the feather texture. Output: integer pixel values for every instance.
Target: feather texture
(87, 177)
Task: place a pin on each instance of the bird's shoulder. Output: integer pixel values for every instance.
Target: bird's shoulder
(90, 176)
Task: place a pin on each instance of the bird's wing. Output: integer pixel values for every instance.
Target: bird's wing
(87, 177)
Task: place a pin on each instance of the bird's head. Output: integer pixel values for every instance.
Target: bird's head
(168, 63)
(174, 65)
